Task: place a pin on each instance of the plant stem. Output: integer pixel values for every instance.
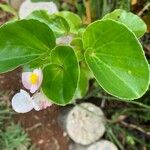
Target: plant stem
(115, 139)
(132, 102)
(96, 93)
(88, 11)
(142, 11)
(135, 127)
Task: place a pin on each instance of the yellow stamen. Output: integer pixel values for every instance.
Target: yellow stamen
(33, 78)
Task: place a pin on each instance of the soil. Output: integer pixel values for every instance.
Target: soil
(42, 127)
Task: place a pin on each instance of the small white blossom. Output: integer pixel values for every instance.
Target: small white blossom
(32, 80)
(28, 7)
(22, 102)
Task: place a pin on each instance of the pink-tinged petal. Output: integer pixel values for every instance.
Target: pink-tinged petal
(40, 101)
(34, 88)
(22, 102)
(39, 73)
(26, 80)
(32, 80)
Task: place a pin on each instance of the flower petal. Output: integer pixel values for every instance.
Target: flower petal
(40, 77)
(40, 101)
(28, 7)
(25, 80)
(22, 102)
(34, 88)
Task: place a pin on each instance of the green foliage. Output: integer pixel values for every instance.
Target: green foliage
(22, 42)
(64, 74)
(83, 82)
(78, 47)
(4, 113)
(133, 22)
(108, 49)
(101, 7)
(114, 61)
(136, 127)
(13, 137)
(8, 8)
(73, 20)
(57, 23)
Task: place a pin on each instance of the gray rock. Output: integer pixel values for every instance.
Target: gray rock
(74, 146)
(85, 123)
(103, 145)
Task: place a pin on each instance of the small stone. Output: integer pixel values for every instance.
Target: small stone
(41, 141)
(103, 145)
(85, 123)
(64, 134)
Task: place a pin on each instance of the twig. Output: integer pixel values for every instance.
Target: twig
(103, 102)
(88, 11)
(134, 127)
(34, 127)
(145, 8)
(127, 101)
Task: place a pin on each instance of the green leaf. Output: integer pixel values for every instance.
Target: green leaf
(57, 23)
(83, 82)
(61, 77)
(73, 20)
(116, 59)
(132, 21)
(8, 8)
(23, 41)
(39, 62)
(77, 44)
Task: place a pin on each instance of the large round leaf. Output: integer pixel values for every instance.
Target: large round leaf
(61, 77)
(23, 41)
(132, 21)
(116, 59)
(57, 23)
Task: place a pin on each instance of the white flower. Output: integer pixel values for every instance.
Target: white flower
(32, 80)
(22, 102)
(40, 101)
(28, 7)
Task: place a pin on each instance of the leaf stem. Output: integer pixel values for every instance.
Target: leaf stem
(129, 101)
(96, 93)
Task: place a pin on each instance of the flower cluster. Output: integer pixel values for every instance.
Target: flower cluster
(22, 102)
